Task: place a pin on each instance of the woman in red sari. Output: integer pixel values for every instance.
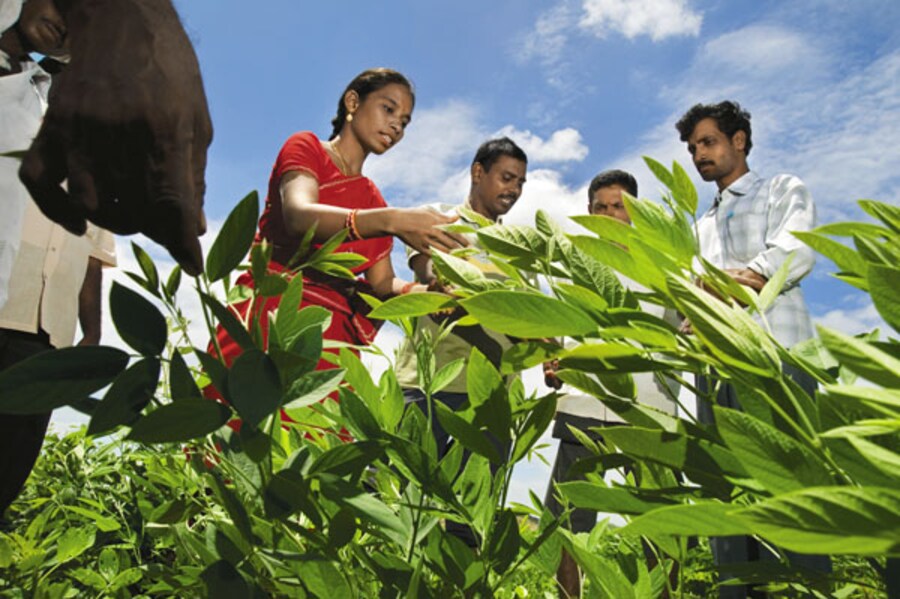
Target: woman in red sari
(321, 183)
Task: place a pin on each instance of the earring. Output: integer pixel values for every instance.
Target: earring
(349, 117)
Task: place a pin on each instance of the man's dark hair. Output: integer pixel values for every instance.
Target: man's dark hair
(729, 117)
(492, 149)
(610, 178)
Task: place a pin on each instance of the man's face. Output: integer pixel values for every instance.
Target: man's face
(43, 28)
(607, 201)
(495, 191)
(715, 155)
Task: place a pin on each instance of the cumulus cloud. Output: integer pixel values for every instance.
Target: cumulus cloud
(853, 320)
(563, 145)
(657, 19)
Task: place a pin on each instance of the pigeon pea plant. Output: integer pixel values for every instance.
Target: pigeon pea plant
(347, 498)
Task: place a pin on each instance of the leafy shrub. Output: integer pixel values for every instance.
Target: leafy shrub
(294, 509)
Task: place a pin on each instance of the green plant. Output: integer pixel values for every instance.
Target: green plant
(294, 509)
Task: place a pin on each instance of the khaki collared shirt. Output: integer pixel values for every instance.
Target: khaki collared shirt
(47, 276)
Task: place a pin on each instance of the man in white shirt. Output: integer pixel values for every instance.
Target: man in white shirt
(585, 412)
(747, 233)
(54, 277)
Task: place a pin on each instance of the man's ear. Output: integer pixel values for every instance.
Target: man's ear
(739, 141)
(476, 172)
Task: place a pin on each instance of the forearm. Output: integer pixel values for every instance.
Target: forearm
(329, 220)
(89, 303)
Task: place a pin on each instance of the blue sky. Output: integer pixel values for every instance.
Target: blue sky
(582, 85)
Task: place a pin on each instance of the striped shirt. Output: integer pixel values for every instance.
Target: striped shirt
(749, 226)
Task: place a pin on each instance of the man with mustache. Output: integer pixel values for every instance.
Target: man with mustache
(747, 233)
(497, 176)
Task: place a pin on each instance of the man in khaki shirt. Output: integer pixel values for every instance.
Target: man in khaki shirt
(56, 280)
(48, 277)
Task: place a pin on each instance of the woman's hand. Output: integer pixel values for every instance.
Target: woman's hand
(417, 228)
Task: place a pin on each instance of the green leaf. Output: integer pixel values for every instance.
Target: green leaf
(729, 333)
(886, 213)
(606, 227)
(852, 229)
(347, 458)
(180, 421)
(836, 520)
(73, 542)
(862, 358)
(884, 287)
(528, 315)
(173, 282)
(683, 191)
(127, 397)
(181, 381)
(138, 322)
(600, 498)
(234, 327)
(254, 387)
(513, 241)
(461, 273)
(535, 424)
(774, 286)
(447, 374)
(103, 523)
(323, 578)
(312, 387)
(234, 239)
(592, 273)
(358, 418)
(846, 259)
(482, 378)
(223, 581)
(412, 304)
(504, 541)
(52, 379)
(367, 507)
(660, 172)
(887, 397)
(288, 493)
(778, 462)
(147, 267)
(215, 370)
(468, 435)
(703, 518)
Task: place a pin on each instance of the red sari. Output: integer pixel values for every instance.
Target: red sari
(304, 152)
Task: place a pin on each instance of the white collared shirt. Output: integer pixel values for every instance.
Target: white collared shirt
(750, 227)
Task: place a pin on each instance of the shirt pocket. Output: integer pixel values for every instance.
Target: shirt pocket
(745, 231)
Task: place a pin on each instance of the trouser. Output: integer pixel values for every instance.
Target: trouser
(21, 435)
(742, 549)
(570, 451)
(454, 401)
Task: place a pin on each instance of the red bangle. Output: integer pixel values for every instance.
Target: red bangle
(407, 288)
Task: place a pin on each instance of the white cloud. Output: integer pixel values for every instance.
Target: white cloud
(437, 145)
(657, 19)
(852, 321)
(547, 41)
(563, 145)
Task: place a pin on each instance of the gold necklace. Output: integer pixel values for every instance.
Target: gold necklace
(341, 163)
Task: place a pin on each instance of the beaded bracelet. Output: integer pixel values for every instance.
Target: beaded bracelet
(350, 225)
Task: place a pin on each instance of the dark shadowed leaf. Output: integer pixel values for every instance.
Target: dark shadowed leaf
(180, 421)
(229, 321)
(884, 286)
(128, 395)
(465, 433)
(52, 379)
(253, 386)
(181, 381)
(139, 323)
(147, 267)
(312, 387)
(234, 239)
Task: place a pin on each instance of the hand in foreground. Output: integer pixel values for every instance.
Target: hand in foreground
(747, 277)
(417, 227)
(129, 127)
